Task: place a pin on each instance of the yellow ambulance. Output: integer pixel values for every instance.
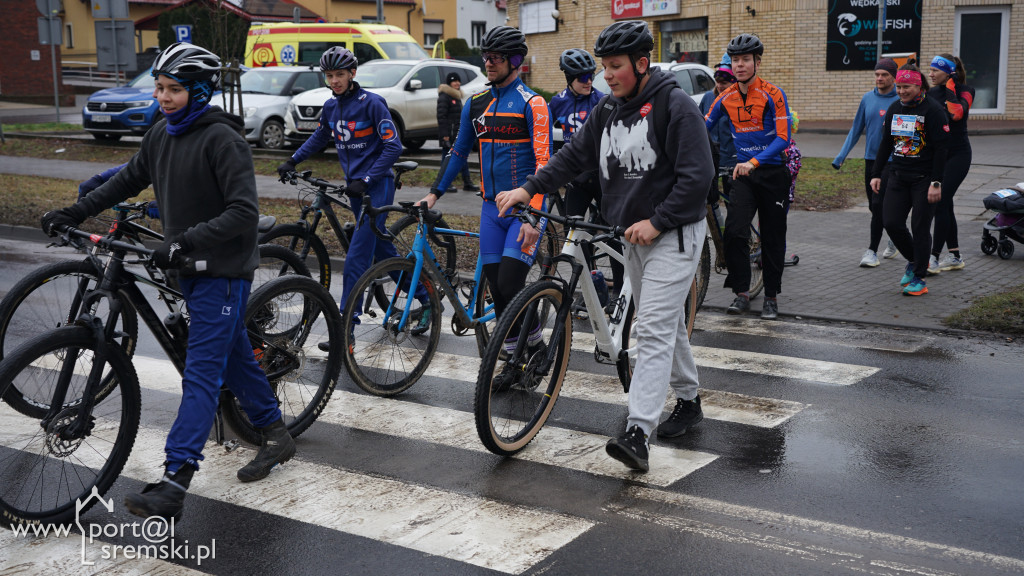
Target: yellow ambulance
(289, 44)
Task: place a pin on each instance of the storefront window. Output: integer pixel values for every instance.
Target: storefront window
(684, 40)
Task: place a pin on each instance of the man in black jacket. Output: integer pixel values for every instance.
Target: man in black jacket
(449, 113)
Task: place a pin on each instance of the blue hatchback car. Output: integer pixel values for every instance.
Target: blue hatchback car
(129, 110)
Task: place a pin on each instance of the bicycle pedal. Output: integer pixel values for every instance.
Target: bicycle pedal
(231, 445)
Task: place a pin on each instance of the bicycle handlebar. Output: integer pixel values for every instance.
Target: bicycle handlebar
(325, 185)
(419, 211)
(180, 261)
(531, 214)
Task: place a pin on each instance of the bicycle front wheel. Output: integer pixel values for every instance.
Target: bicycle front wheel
(444, 245)
(293, 237)
(516, 389)
(45, 468)
(286, 320)
(386, 355)
(277, 261)
(47, 298)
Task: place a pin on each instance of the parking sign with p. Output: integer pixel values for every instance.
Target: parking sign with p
(183, 32)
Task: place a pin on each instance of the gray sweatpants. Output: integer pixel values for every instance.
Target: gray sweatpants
(661, 276)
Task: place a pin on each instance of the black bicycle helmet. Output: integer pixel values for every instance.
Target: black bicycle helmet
(188, 62)
(338, 58)
(745, 44)
(575, 62)
(504, 40)
(627, 37)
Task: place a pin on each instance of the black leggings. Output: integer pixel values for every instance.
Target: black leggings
(875, 202)
(906, 192)
(958, 162)
(766, 192)
(505, 279)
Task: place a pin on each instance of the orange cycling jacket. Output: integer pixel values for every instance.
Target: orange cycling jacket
(759, 121)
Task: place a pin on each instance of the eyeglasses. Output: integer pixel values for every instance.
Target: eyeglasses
(584, 78)
(494, 57)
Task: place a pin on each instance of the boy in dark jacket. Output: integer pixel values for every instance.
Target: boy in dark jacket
(654, 184)
(449, 114)
(202, 173)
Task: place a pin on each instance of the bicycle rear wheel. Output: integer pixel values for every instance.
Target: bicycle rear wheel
(515, 391)
(384, 356)
(277, 261)
(293, 237)
(45, 471)
(703, 277)
(756, 263)
(626, 364)
(50, 297)
(286, 320)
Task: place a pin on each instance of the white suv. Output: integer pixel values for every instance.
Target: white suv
(408, 86)
(265, 96)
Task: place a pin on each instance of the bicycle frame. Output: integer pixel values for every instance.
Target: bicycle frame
(321, 206)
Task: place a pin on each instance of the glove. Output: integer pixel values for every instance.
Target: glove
(169, 254)
(356, 189)
(836, 166)
(71, 216)
(153, 211)
(285, 168)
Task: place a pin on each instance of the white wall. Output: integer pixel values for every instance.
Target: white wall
(477, 11)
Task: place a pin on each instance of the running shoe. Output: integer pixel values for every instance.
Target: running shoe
(631, 449)
(915, 288)
(890, 251)
(908, 274)
(739, 306)
(950, 262)
(869, 259)
(933, 266)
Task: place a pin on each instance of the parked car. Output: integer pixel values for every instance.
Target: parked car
(266, 93)
(695, 79)
(114, 112)
(408, 86)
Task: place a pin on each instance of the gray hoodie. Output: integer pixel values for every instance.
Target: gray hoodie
(640, 179)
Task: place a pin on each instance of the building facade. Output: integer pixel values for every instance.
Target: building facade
(818, 52)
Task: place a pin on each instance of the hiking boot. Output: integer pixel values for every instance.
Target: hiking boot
(916, 287)
(684, 416)
(770, 310)
(165, 498)
(908, 274)
(506, 379)
(471, 188)
(740, 305)
(951, 262)
(277, 448)
(890, 251)
(631, 449)
(933, 266)
(869, 259)
(325, 346)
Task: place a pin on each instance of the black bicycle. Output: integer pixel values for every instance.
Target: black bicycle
(51, 296)
(80, 437)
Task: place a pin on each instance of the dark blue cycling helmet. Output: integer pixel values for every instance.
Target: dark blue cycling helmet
(575, 62)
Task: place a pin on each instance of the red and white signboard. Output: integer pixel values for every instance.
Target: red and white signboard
(626, 9)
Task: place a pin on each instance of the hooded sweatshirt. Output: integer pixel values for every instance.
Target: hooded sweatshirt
(205, 185)
(641, 178)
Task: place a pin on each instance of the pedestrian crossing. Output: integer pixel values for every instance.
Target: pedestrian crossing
(477, 530)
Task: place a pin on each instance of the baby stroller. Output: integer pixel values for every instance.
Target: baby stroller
(1008, 204)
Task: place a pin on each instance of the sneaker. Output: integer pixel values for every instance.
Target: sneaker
(423, 323)
(165, 499)
(740, 305)
(471, 188)
(770, 311)
(685, 415)
(950, 262)
(277, 448)
(933, 266)
(890, 251)
(915, 288)
(869, 259)
(451, 190)
(908, 274)
(631, 449)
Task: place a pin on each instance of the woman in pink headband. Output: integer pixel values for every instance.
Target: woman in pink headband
(915, 134)
(949, 89)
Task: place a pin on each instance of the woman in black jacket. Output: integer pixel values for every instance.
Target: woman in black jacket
(449, 113)
(915, 132)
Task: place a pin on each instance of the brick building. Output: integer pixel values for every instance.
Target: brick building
(26, 72)
(796, 34)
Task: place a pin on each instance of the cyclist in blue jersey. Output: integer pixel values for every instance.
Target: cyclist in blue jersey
(513, 126)
(359, 125)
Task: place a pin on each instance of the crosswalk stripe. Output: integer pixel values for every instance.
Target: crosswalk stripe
(471, 529)
(553, 446)
(831, 335)
(820, 371)
(725, 406)
(785, 530)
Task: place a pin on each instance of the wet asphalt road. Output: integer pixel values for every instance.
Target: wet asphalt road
(903, 455)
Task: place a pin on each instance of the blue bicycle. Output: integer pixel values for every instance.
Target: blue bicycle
(390, 341)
